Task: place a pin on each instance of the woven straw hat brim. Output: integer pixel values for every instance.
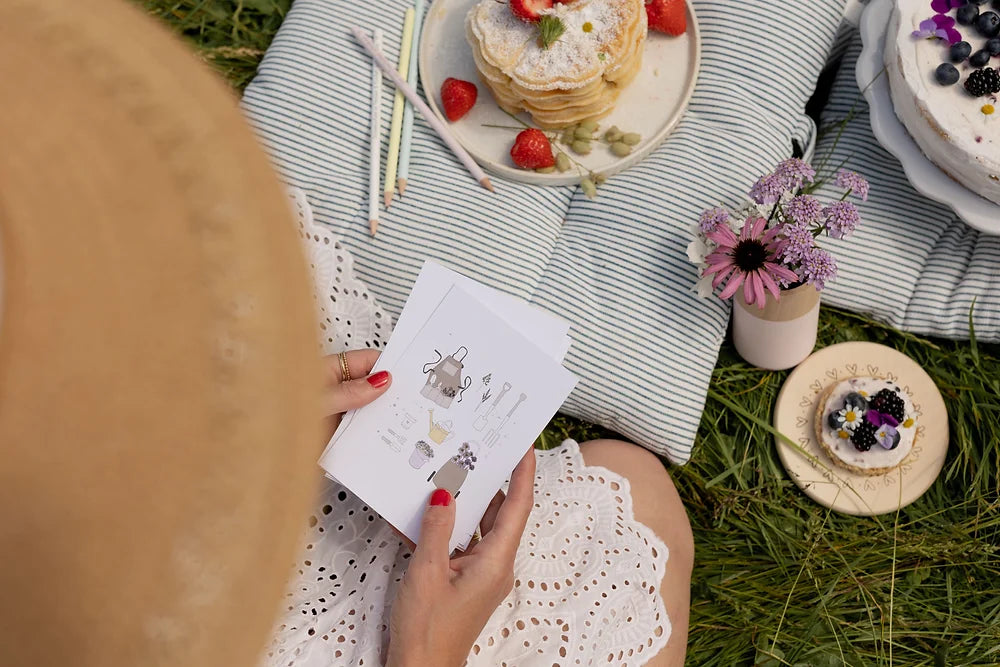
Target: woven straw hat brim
(159, 375)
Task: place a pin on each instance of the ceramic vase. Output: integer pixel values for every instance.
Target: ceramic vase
(782, 333)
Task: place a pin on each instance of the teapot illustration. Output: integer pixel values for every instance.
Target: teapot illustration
(438, 431)
(444, 378)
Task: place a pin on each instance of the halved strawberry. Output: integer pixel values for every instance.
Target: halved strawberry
(529, 10)
(669, 16)
(532, 150)
(457, 97)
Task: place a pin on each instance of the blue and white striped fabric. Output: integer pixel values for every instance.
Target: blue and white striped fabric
(912, 263)
(644, 344)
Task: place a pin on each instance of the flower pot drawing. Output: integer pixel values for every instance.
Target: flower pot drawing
(782, 333)
(444, 378)
(452, 474)
(439, 431)
(422, 453)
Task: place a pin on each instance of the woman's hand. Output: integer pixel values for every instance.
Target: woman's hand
(443, 603)
(363, 387)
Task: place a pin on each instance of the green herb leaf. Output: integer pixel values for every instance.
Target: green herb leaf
(550, 28)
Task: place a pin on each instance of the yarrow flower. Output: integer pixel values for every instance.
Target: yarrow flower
(818, 267)
(712, 217)
(767, 190)
(804, 210)
(749, 261)
(854, 183)
(938, 26)
(794, 173)
(798, 241)
(841, 218)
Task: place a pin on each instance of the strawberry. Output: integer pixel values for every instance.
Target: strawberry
(457, 97)
(529, 10)
(669, 16)
(532, 150)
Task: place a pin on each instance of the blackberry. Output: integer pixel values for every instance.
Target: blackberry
(983, 82)
(888, 402)
(863, 438)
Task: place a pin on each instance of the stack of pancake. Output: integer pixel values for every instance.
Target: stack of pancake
(578, 77)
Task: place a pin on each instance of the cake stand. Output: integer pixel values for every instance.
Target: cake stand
(811, 468)
(923, 174)
(652, 105)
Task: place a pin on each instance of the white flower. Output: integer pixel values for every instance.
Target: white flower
(698, 250)
(704, 287)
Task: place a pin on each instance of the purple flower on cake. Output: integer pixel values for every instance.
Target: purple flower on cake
(711, 218)
(938, 26)
(817, 268)
(854, 183)
(841, 218)
(887, 436)
(945, 6)
(794, 173)
(804, 210)
(881, 419)
(749, 261)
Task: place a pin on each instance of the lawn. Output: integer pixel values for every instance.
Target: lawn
(779, 580)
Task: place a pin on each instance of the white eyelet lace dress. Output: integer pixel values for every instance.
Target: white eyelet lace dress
(587, 574)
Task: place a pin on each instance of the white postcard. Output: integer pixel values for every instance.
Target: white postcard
(470, 393)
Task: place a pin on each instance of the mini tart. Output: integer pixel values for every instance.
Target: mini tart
(877, 460)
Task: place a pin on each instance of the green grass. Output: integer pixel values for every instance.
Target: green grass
(778, 579)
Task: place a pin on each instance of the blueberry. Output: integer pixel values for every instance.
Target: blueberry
(993, 46)
(832, 421)
(988, 24)
(854, 398)
(980, 2)
(967, 14)
(946, 74)
(980, 58)
(959, 51)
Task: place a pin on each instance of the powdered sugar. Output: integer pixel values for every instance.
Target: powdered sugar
(599, 35)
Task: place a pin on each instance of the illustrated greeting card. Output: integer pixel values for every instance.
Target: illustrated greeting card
(470, 393)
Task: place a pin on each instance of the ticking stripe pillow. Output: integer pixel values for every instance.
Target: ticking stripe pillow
(912, 263)
(644, 344)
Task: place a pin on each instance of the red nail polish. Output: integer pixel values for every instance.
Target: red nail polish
(441, 497)
(379, 380)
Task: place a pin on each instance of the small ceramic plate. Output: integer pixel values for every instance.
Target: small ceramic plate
(813, 470)
(652, 104)
(923, 174)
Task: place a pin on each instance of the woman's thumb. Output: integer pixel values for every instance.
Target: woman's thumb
(357, 393)
(432, 550)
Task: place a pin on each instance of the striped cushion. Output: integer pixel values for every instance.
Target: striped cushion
(644, 344)
(930, 266)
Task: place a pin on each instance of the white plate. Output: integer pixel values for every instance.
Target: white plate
(923, 174)
(809, 465)
(652, 105)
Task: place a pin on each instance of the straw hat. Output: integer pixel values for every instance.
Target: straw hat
(158, 368)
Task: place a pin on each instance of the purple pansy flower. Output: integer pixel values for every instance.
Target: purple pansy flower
(887, 436)
(945, 6)
(881, 419)
(938, 26)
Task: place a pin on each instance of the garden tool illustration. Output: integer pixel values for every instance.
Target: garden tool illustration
(482, 420)
(444, 378)
(438, 431)
(494, 435)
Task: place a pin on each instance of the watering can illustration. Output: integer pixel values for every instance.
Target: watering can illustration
(444, 378)
(438, 431)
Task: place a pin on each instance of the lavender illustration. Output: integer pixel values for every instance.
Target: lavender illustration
(452, 474)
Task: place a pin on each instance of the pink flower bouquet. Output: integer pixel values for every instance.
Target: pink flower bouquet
(770, 244)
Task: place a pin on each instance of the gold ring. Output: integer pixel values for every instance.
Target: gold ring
(477, 537)
(345, 372)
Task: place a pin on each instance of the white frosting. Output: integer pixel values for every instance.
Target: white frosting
(575, 59)
(945, 121)
(842, 448)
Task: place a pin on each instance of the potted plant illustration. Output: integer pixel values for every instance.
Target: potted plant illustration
(452, 474)
(422, 453)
